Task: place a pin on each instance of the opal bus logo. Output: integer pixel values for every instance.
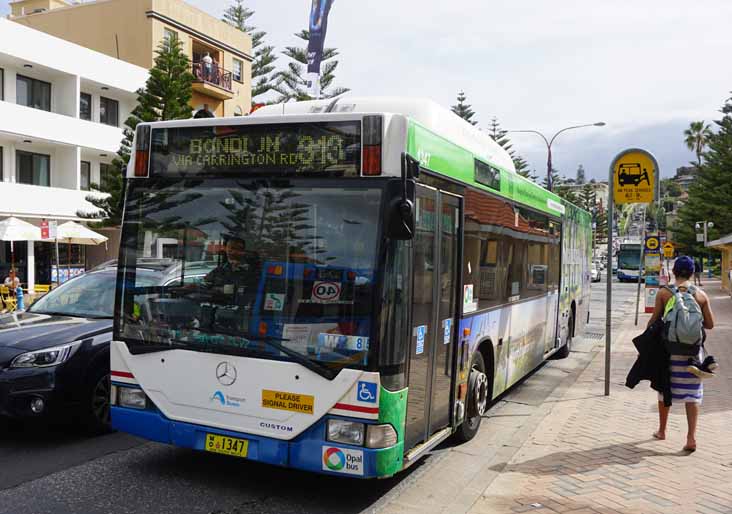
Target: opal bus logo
(343, 460)
(334, 459)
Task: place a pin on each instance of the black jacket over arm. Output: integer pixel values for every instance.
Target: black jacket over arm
(652, 362)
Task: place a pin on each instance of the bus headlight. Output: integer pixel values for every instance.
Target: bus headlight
(131, 397)
(346, 432)
(380, 436)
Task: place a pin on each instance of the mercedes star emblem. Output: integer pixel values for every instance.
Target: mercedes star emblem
(226, 373)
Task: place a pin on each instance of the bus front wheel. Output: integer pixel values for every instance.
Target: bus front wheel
(477, 399)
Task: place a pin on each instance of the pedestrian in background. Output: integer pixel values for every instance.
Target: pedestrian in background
(685, 386)
(697, 272)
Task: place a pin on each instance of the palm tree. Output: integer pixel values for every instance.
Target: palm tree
(696, 138)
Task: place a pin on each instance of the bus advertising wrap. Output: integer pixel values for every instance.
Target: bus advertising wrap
(318, 27)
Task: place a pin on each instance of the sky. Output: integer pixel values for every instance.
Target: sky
(646, 68)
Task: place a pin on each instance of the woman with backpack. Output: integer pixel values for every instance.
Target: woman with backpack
(691, 305)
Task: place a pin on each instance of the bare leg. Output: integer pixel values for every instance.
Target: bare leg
(692, 416)
(662, 421)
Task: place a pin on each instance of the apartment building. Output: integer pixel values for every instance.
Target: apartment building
(131, 30)
(61, 112)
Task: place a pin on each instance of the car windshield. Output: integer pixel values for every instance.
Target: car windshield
(88, 296)
(280, 271)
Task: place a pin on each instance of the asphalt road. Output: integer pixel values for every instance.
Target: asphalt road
(57, 471)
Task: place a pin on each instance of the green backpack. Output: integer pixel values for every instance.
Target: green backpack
(683, 322)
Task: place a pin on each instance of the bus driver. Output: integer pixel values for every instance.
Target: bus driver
(236, 278)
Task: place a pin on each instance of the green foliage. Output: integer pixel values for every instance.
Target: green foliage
(560, 187)
(463, 109)
(587, 198)
(696, 138)
(711, 192)
(238, 16)
(166, 96)
(670, 188)
(292, 82)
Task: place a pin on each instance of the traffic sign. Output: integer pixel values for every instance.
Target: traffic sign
(653, 245)
(668, 250)
(634, 174)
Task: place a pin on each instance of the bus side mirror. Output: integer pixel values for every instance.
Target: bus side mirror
(401, 220)
(399, 210)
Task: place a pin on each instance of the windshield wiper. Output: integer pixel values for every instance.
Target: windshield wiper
(276, 343)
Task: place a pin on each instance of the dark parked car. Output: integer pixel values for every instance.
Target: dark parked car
(54, 357)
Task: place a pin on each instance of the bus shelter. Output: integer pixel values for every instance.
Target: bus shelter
(724, 245)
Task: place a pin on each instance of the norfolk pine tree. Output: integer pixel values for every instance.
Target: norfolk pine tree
(292, 83)
(500, 136)
(238, 16)
(166, 96)
(463, 109)
(710, 194)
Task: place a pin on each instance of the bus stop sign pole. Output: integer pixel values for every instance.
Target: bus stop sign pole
(631, 180)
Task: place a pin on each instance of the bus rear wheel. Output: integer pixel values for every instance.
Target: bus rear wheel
(563, 352)
(476, 401)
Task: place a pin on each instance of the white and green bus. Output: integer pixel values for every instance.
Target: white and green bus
(370, 274)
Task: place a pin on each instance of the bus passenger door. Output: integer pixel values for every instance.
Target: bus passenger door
(428, 406)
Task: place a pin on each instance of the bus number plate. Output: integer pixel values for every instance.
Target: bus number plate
(226, 445)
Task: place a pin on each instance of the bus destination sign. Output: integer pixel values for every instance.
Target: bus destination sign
(332, 148)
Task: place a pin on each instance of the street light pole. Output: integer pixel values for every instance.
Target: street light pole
(706, 224)
(549, 143)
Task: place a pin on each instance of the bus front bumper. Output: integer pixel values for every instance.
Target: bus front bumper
(309, 451)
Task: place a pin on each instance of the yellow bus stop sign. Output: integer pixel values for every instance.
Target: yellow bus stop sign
(668, 250)
(634, 175)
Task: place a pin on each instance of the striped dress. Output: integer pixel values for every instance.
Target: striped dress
(685, 387)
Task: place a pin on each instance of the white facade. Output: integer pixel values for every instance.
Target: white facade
(46, 145)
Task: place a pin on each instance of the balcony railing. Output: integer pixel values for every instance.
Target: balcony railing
(212, 75)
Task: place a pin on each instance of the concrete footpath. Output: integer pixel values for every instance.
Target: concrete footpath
(557, 444)
(596, 454)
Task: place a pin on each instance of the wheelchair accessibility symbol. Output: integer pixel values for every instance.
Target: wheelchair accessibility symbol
(367, 392)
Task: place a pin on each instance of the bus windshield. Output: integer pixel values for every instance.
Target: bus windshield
(629, 259)
(283, 270)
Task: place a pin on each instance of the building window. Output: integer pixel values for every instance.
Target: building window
(2, 174)
(85, 175)
(169, 35)
(33, 168)
(109, 111)
(2, 84)
(33, 93)
(236, 71)
(85, 106)
(105, 173)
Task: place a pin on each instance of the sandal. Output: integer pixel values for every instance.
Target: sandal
(690, 449)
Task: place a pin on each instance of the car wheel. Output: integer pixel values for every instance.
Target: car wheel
(566, 348)
(97, 403)
(477, 399)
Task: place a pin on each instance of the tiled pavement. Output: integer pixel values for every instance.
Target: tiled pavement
(595, 454)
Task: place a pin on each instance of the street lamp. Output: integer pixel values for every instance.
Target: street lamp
(549, 143)
(705, 224)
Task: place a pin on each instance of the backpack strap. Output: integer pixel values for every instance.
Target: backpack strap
(692, 289)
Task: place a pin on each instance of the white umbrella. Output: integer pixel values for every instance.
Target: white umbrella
(76, 234)
(14, 229)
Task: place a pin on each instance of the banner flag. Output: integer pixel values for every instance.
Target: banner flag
(318, 26)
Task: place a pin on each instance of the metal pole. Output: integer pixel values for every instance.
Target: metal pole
(609, 294)
(640, 265)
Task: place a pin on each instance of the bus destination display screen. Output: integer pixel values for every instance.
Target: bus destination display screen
(332, 148)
